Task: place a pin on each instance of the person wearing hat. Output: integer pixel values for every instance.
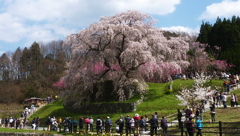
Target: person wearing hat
(137, 119)
(198, 126)
(108, 124)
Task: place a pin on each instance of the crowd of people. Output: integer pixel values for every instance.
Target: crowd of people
(136, 125)
(194, 115)
(11, 122)
(193, 119)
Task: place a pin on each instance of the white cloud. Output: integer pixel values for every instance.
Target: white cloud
(1, 52)
(11, 28)
(226, 8)
(180, 29)
(83, 11)
(45, 20)
(159, 7)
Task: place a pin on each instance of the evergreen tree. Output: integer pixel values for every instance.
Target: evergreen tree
(225, 33)
(35, 60)
(204, 32)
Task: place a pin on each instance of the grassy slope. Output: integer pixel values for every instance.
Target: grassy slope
(53, 109)
(158, 99)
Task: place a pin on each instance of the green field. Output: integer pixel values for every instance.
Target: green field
(158, 99)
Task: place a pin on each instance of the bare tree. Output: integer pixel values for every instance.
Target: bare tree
(5, 67)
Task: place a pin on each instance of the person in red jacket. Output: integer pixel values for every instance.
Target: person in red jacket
(87, 122)
(137, 119)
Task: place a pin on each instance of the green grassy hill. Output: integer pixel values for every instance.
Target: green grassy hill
(158, 99)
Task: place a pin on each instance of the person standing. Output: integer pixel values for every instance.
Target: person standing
(60, 123)
(91, 124)
(198, 126)
(6, 122)
(217, 99)
(190, 127)
(228, 88)
(11, 122)
(17, 123)
(37, 123)
(33, 123)
(108, 124)
(21, 123)
(232, 100)
(3, 122)
(74, 124)
(179, 116)
(156, 115)
(55, 125)
(212, 112)
(49, 123)
(69, 124)
(127, 125)
(32, 108)
(120, 123)
(137, 119)
(236, 100)
(146, 121)
(154, 125)
(201, 113)
(224, 99)
(164, 126)
(99, 125)
(87, 122)
(81, 123)
(132, 122)
(142, 125)
(65, 125)
(187, 112)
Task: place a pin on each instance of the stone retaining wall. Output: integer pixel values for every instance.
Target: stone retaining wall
(105, 108)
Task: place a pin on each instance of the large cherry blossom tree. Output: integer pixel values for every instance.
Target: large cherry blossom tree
(120, 50)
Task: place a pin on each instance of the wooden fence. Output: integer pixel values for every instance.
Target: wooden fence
(209, 129)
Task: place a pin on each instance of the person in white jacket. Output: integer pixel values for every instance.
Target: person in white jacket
(132, 126)
(224, 99)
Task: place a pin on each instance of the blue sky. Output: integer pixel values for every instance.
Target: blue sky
(23, 22)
